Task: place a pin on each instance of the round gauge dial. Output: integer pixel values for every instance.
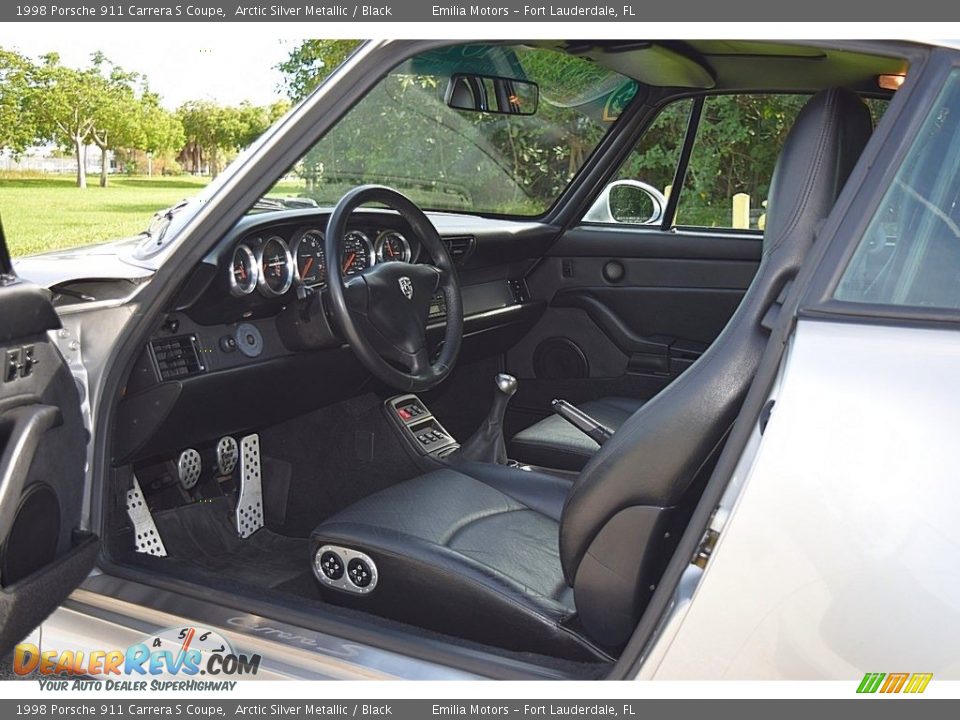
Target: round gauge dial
(310, 259)
(276, 267)
(244, 272)
(392, 246)
(357, 253)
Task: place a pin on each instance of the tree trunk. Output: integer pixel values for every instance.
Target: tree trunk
(81, 164)
(103, 166)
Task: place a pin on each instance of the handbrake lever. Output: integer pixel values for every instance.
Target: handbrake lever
(596, 431)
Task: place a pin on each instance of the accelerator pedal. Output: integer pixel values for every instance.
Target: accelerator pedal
(250, 502)
(148, 540)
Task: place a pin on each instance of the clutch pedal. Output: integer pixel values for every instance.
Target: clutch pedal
(148, 540)
(189, 466)
(250, 502)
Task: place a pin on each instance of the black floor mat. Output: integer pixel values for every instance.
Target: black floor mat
(334, 457)
(203, 535)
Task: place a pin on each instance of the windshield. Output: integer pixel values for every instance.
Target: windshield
(403, 134)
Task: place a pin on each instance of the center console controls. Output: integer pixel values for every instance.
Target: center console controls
(419, 428)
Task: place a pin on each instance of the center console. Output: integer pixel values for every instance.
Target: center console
(419, 428)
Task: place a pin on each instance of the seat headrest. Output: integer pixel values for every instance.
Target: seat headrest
(817, 157)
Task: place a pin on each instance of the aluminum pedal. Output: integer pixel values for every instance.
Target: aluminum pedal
(228, 452)
(148, 540)
(250, 501)
(189, 466)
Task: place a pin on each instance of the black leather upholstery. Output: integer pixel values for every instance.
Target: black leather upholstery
(555, 443)
(473, 551)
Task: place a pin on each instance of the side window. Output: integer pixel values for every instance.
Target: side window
(727, 178)
(910, 252)
(738, 141)
(638, 194)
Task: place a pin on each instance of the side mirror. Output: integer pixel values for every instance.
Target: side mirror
(629, 202)
(485, 93)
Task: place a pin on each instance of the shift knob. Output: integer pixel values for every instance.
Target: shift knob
(487, 444)
(507, 384)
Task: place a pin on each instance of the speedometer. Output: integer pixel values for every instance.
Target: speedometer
(357, 253)
(310, 259)
(276, 267)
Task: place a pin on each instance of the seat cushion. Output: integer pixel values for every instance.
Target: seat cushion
(555, 443)
(471, 551)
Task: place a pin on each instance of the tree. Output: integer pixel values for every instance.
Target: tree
(212, 132)
(17, 128)
(64, 103)
(160, 130)
(117, 119)
(311, 62)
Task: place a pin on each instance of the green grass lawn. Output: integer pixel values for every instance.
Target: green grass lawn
(47, 212)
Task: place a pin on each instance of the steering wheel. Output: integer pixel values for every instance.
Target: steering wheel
(382, 311)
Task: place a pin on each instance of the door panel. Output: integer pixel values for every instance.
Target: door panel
(629, 309)
(43, 555)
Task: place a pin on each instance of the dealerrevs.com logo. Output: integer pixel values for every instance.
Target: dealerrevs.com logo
(891, 683)
(156, 663)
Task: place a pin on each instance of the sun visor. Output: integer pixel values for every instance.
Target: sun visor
(654, 65)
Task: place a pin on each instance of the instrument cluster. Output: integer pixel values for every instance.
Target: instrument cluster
(272, 264)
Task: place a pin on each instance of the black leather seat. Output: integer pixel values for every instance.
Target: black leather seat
(555, 443)
(527, 561)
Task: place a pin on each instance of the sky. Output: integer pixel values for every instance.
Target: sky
(215, 65)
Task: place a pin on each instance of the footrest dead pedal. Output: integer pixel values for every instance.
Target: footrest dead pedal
(148, 540)
(250, 501)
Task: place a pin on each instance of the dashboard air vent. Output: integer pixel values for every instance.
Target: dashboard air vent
(460, 248)
(176, 357)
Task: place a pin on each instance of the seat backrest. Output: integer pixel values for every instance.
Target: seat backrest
(627, 508)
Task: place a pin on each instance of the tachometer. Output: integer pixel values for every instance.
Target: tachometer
(243, 272)
(392, 246)
(310, 259)
(276, 267)
(357, 253)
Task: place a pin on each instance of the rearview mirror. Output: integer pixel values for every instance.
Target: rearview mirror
(629, 202)
(484, 93)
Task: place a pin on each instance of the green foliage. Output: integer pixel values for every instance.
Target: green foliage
(217, 131)
(102, 104)
(311, 62)
(402, 133)
(17, 128)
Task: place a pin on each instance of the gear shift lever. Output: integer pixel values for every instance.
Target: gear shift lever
(486, 444)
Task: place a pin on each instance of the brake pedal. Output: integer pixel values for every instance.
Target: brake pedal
(227, 455)
(148, 540)
(250, 501)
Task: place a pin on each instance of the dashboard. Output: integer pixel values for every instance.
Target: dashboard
(248, 342)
